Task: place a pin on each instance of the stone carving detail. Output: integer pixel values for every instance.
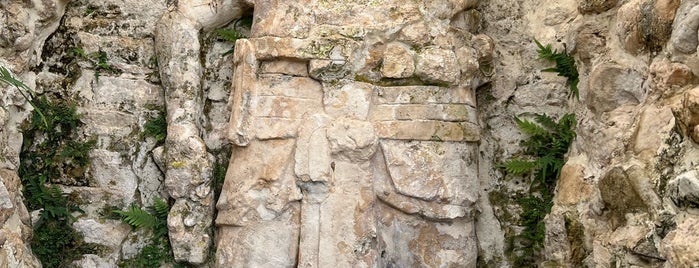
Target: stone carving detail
(187, 164)
(353, 146)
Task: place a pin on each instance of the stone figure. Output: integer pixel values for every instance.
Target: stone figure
(187, 164)
(355, 136)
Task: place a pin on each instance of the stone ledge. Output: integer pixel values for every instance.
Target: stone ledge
(428, 130)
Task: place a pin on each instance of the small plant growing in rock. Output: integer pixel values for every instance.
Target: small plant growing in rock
(156, 128)
(565, 66)
(543, 159)
(97, 59)
(7, 78)
(154, 219)
(231, 35)
(49, 153)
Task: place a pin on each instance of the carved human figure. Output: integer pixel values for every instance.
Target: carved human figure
(354, 136)
(187, 164)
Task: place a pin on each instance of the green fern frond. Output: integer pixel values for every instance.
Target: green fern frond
(138, 218)
(529, 127)
(565, 66)
(156, 128)
(546, 121)
(161, 208)
(229, 35)
(545, 52)
(519, 166)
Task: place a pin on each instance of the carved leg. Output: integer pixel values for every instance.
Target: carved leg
(187, 163)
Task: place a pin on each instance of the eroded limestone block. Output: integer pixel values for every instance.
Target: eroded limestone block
(437, 66)
(15, 224)
(646, 25)
(684, 33)
(670, 75)
(187, 164)
(688, 113)
(653, 128)
(398, 61)
(595, 6)
(684, 189)
(572, 187)
(613, 85)
(680, 247)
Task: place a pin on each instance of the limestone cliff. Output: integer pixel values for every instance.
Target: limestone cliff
(364, 133)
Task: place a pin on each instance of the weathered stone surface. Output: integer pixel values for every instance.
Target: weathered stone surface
(415, 34)
(111, 172)
(595, 6)
(687, 113)
(294, 68)
(94, 261)
(350, 100)
(654, 125)
(619, 196)
(572, 187)
(398, 61)
(646, 25)
(427, 130)
(309, 150)
(15, 232)
(666, 75)
(437, 65)
(680, 246)
(311, 85)
(684, 33)
(423, 95)
(188, 165)
(612, 85)
(590, 41)
(110, 233)
(684, 189)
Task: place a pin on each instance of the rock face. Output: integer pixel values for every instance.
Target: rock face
(16, 224)
(361, 133)
(362, 156)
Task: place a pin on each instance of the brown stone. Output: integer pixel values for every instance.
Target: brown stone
(612, 85)
(680, 246)
(595, 6)
(653, 129)
(398, 61)
(619, 196)
(572, 188)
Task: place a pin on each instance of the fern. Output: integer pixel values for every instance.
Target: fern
(565, 66)
(156, 128)
(232, 35)
(519, 166)
(161, 208)
(530, 128)
(546, 146)
(155, 219)
(138, 218)
(229, 35)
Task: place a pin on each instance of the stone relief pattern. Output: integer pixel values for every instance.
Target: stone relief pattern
(354, 145)
(355, 98)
